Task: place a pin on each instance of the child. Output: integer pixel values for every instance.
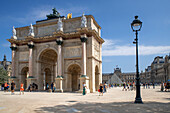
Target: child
(22, 88)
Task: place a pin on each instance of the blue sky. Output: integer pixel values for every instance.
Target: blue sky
(114, 16)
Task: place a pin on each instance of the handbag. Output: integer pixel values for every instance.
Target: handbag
(98, 90)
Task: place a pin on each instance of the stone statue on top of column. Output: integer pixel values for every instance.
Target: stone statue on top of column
(83, 21)
(14, 33)
(31, 31)
(60, 25)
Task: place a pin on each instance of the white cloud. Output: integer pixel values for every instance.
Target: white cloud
(109, 43)
(6, 44)
(111, 49)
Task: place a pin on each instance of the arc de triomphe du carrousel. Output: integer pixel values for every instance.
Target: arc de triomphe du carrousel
(67, 51)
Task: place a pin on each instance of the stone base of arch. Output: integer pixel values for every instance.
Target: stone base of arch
(84, 79)
(59, 86)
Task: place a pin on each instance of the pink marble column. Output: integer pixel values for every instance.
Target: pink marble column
(59, 61)
(13, 48)
(56, 67)
(83, 40)
(31, 46)
(59, 42)
(84, 78)
(84, 57)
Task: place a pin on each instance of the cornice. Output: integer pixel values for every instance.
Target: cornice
(55, 35)
(73, 58)
(92, 57)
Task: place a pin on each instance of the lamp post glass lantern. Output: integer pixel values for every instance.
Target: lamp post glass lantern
(136, 26)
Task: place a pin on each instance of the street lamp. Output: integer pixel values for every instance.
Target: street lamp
(136, 26)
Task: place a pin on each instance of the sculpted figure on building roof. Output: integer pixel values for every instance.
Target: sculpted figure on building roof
(60, 25)
(31, 31)
(14, 33)
(83, 21)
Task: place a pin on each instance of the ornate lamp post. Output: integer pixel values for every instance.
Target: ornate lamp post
(136, 26)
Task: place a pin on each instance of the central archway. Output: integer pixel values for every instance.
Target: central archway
(48, 67)
(48, 76)
(74, 71)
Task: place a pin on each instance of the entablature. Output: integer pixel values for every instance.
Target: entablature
(55, 35)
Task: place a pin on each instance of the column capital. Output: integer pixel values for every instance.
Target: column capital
(83, 38)
(59, 41)
(13, 77)
(13, 48)
(59, 76)
(31, 45)
(83, 76)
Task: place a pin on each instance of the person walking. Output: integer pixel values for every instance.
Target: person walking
(143, 85)
(162, 86)
(131, 87)
(5, 87)
(153, 85)
(21, 88)
(101, 89)
(52, 86)
(84, 88)
(13, 86)
(127, 85)
(146, 85)
(30, 88)
(124, 86)
(47, 86)
(104, 87)
(134, 86)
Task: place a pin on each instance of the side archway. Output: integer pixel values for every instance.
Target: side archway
(74, 72)
(24, 75)
(97, 78)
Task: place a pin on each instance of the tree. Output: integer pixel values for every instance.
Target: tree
(3, 76)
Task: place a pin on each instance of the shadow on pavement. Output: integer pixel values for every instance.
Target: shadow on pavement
(116, 107)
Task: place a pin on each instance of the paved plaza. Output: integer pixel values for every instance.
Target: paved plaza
(114, 101)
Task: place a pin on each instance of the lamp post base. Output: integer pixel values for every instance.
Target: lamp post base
(138, 100)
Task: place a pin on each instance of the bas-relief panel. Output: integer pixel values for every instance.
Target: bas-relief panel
(24, 56)
(70, 26)
(47, 30)
(24, 48)
(72, 43)
(96, 49)
(70, 52)
(22, 33)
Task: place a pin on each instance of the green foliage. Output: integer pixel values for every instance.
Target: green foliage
(3, 76)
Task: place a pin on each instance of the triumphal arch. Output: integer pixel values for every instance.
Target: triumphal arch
(66, 51)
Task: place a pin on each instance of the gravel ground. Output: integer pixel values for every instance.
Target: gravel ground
(114, 101)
